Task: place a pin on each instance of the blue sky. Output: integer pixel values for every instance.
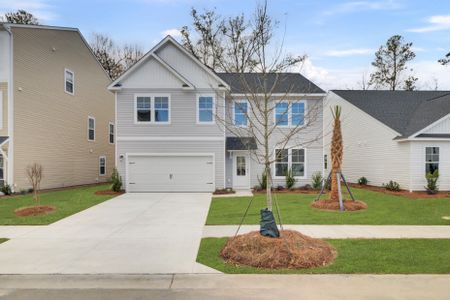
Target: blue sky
(339, 37)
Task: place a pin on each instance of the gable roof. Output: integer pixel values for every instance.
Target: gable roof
(406, 112)
(277, 83)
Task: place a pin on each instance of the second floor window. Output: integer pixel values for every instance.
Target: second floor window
(240, 113)
(69, 81)
(290, 114)
(91, 129)
(111, 133)
(282, 114)
(205, 109)
(152, 109)
(431, 159)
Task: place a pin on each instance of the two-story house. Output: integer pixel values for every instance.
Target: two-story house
(55, 109)
(169, 131)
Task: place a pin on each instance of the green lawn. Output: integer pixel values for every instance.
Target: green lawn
(383, 210)
(67, 202)
(371, 256)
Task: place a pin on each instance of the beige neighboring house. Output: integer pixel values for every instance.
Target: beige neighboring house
(55, 108)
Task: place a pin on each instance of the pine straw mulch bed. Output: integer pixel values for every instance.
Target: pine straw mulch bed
(292, 250)
(109, 192)
(411, 195)
(349, 205)
(38, 210)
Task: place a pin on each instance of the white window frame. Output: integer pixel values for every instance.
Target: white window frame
(73, 81)
(197, 109)
(290, 162)
(113, 133)
(89, 118)
(289, 113)
(433, 162)
(152, 109)
(233, 113)
(100, 165)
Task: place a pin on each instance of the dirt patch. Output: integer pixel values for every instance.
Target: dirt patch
(349, 205)
(224, 192)
(108, 192)
(34, 210)
(411, 195)
(292, 250)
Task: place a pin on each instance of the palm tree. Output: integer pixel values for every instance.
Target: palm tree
(337, 152)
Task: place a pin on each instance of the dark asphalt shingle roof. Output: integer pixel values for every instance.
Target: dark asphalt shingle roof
(240, 143)
(406, 112)
(276, 82)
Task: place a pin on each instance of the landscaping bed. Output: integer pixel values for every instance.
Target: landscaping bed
(383, 209)
(354, 256)
(405, 193)
(34, 210)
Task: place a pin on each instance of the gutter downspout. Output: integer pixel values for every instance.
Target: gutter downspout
(10, 159)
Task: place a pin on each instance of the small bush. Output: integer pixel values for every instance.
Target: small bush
(280, 188)
(432, 178)
(316, 180)
(116, 181)
(290, 179)
(363, 181)
(23, 191)
(30, 190)
(263, 181)
(6, 189)
(307, 187)
(392, 186)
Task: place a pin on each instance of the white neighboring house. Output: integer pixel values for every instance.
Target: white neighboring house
(392, 135)
(168, 136)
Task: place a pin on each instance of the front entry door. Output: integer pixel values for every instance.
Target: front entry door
(241, 176)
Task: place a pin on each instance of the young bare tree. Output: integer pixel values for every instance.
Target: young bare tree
(34, 174)
(20, 17)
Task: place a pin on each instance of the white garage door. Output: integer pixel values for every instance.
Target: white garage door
(170, 173)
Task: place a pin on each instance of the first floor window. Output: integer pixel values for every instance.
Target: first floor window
(431, 159)
(205, 109)
(325, 162)
(111, 133)
(240, 113)
(293, 159)
(91, 129)
(102, 166)
(2, 174)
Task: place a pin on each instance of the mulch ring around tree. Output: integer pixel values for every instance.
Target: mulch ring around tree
(34, 210)
(108, 192)
(349, 205)
(292, 250)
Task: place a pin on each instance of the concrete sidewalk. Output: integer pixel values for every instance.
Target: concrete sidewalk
(343, 231)
(305, 287)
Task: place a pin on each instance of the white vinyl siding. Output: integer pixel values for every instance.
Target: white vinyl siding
(69, 82)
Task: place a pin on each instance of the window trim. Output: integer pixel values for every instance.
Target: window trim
(290, 163)
(113, 133)
(197, 109)
(89, 118)
(73, 81)
(99, 165)
(2, 166)
(233, 113)
(152, 97)
(289, 112)
(425, 157)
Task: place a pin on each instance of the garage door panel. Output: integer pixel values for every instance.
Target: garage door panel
(170, 173)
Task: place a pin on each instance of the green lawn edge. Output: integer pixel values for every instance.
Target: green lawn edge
(383, 209)
(355, 256)
(67, 201)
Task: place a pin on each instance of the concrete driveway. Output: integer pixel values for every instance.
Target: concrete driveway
(130, 234)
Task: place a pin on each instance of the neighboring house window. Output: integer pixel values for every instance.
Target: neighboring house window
(290, 159)
(152, 109)
(91, 129)
(111, 133)
(2, 174)
(431, 159)
(325, 162)
(290, 114)
(102, 165)
(69, 81)
(205, 109)
(240, 113)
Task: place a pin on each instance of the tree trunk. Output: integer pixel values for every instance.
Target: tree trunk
(268, 186)
(334, 194)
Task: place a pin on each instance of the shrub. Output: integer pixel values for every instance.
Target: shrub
(392, 186)
(363, 181)
(317, 180)
(6, 189)
(116, 181)
(280, 188)
(263, 181)
(290, 179)
(432, 178)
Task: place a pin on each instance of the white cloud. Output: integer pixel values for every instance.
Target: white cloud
(435, 23)
(39, 8)
(429, 71)
(173, 32)
(355, 6)
(349, 52)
